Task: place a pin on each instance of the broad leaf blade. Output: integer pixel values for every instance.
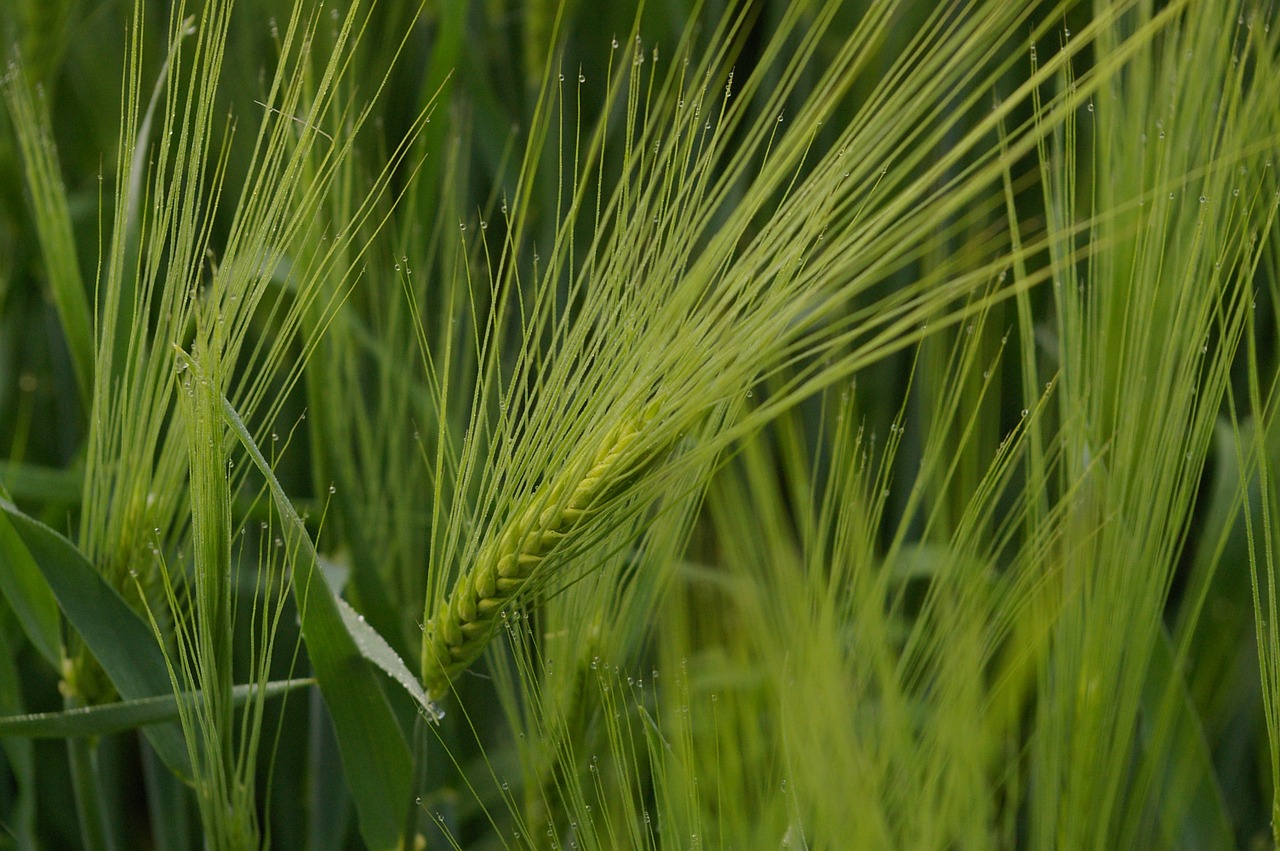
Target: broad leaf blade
(375, 648)
(121, 642)
(29, 595)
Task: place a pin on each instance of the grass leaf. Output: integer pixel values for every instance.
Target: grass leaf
(106, 718)
(122, 643)
(29, 595)
(375, 648)
(53, 224)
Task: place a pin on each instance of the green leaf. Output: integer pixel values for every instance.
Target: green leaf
(122, 643)
(29, 595)
(110, 718)
(375, 648)
(52, 217)
(375, 756)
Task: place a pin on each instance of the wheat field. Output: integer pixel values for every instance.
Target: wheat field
(675, 425)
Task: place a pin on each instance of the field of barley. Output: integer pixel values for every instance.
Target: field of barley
(549, 424)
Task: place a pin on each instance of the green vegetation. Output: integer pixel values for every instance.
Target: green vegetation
(564, 425)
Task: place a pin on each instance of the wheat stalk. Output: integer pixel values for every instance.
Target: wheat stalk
(465, 621)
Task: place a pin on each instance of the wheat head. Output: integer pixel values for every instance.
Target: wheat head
(465, 621)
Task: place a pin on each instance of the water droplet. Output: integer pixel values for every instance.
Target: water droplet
(582, 78)
(333, 488)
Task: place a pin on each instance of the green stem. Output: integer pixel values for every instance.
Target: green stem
(95, 831)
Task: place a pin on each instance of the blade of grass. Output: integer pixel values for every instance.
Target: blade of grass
(29, 596)
(52, 217)
(118, 638)
(106, 718)
(120, 641)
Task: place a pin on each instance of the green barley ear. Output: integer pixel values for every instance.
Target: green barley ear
(465, 621)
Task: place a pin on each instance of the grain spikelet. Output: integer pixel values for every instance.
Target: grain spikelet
(464, 622)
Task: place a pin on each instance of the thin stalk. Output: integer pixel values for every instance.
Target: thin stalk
(95, 829)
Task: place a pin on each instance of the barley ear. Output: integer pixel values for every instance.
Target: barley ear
(464, 622)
